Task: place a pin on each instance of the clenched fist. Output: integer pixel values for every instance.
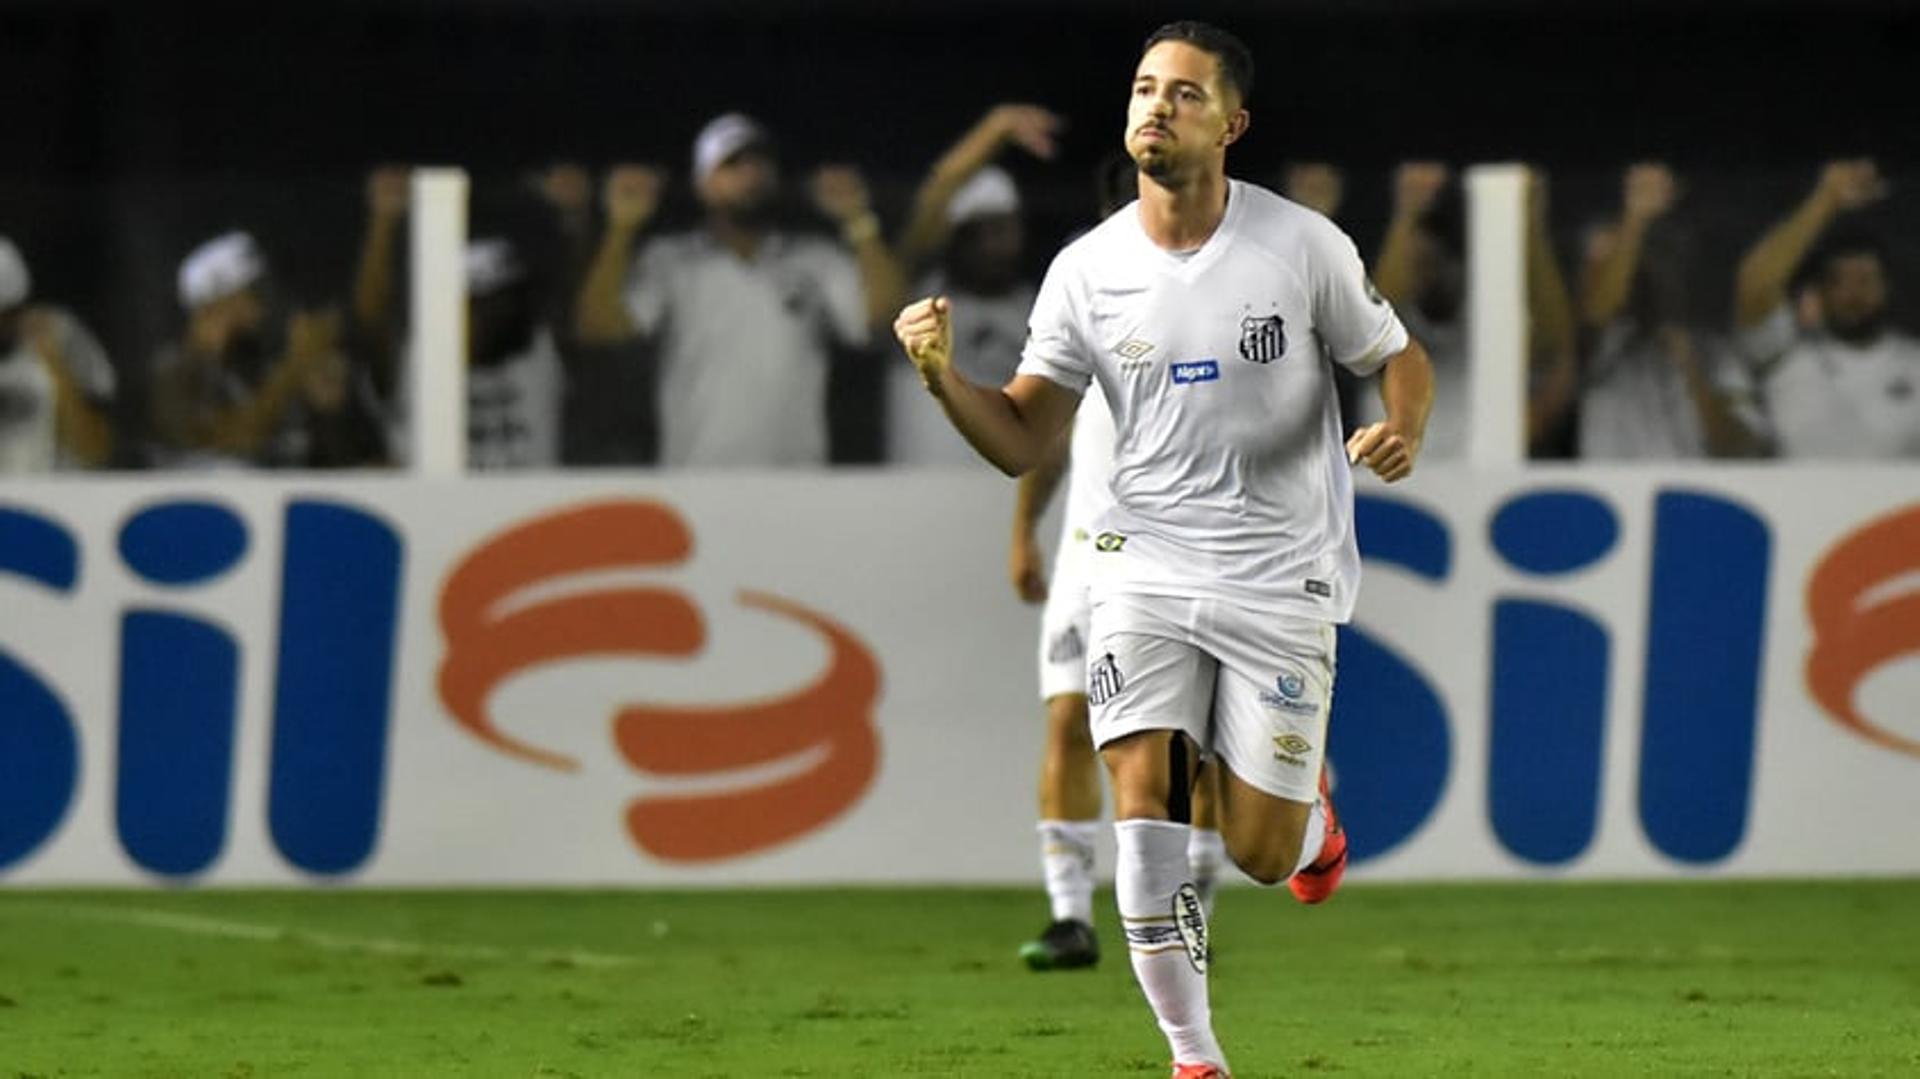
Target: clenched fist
(1383, 449)
(925, 330)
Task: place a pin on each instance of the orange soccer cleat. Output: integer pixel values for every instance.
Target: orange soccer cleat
(1317, 881)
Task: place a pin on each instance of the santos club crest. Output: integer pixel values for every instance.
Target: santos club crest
(1262, 340)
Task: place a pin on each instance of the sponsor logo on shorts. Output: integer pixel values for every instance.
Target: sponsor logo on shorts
(1132, 348)
(1104, 680)
(1292, 749)
(1066, 646)
(1289, 694)
(1190, 920)
(1195, 371)
(1263, 340)
(1109, 542)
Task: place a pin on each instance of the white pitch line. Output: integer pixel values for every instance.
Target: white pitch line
(200, 925)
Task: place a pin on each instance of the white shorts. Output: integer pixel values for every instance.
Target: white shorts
(1250, 687)
(1063, 623)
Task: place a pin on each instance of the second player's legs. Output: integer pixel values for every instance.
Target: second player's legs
(1069, 774)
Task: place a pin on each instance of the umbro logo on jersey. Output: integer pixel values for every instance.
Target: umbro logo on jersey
(1132, 348)
(1104, 681)
(1262, 340)
(1196, 371)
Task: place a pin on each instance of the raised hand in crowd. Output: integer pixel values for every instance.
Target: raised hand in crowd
(1030, 127)
(630, 195)
(840, 192)
(389, 196)
(1649, 191)
(1398, 272)
(1760, 285)
(1318, 186)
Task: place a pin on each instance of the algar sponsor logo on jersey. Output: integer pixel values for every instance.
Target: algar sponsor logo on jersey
(1195, 371)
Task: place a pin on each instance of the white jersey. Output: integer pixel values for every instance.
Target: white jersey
(1829, 399)
(745, 345)
(1230, 479)
(1089, 465)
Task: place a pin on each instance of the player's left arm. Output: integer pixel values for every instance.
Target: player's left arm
(1391, 446)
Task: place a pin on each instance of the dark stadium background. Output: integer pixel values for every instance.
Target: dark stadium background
(133, 131)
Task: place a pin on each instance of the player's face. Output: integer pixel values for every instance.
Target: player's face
(1180, 116)
(1853, 296)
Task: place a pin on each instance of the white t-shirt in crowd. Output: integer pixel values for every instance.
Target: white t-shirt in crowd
(987, 334)
(1230, 479)
(1826, 398)
(1635, 404)
(513, 409)
(29, 433)
(745, 345)
(1446, 344)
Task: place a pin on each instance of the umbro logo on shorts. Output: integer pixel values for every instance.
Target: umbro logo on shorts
(1104, 681)
(1292, 749)
(1109, 542)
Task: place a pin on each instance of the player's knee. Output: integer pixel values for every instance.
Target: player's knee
(1269, 861)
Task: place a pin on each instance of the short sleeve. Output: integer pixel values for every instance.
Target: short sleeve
(1357, 323)
(648, 283)
(1764, 343)
(1054, 349)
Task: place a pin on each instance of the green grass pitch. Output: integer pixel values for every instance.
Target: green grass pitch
(1796, 978)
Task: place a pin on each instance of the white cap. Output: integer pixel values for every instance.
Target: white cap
(16, 284)
(723, 137)
(492, 264)
(222, 266)
(991, 191)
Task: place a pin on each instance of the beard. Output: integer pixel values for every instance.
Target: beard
(1859, 332)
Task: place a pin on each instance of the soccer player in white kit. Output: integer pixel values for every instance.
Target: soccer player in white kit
(1210, 312)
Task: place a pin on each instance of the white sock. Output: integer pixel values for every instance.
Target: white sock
(1315, 836)
(1066, 862)
(1206, 855)
(1150, 882)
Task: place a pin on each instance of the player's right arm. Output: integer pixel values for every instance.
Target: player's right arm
(600, 315)
(1760, 287)
(1025, 565)
(1011, 426)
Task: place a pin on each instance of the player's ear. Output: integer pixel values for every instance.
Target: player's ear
(1237, 124)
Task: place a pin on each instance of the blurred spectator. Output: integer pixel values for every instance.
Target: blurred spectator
(514, 377)
(1838, 382)
(514, 374)
(607, 406)
(966, 223)
(1422, 271)
(1318, 186)
(56, 383)
(220, 395)
(745, 312)
(1656, 387)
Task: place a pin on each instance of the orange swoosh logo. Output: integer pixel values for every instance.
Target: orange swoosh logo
(827, 724)
(1851, 640)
